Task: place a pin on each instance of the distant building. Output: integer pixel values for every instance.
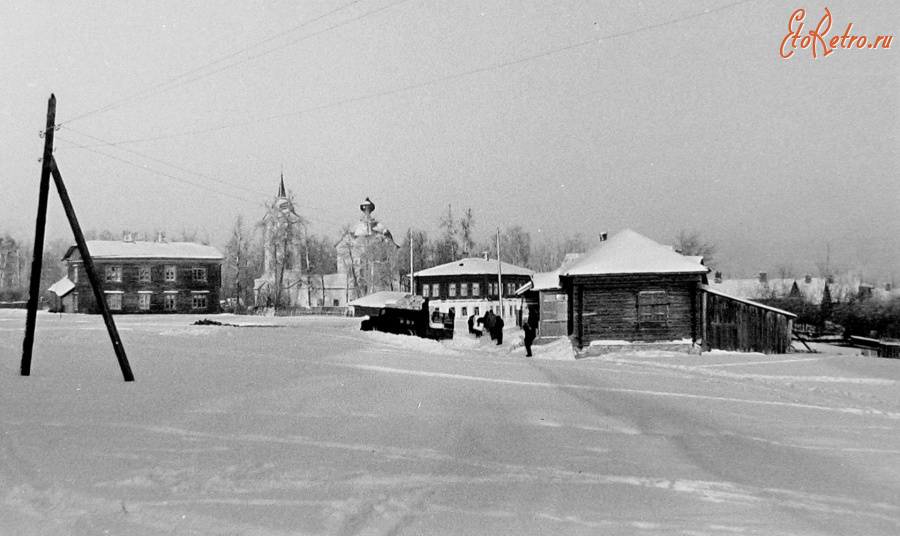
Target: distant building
(145, 277)
(470, 287)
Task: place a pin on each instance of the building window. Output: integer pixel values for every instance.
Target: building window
(170, 273)
(171, 302)
(426, 291)
(510, 289)
(435, 291)
(198, 274)
(144, 301)
(492, 289)
(465, 311)
(75, 273)
(463, 289)
(337, 303)
(451, 290)
(198, 301)
(114, 274)
(114, 302)
(144, 274)
(476, 289)
(653, 307)
(477, 311)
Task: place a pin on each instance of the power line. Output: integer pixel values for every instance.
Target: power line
(439, 80)
(185, 181)
(154, 171)
(142, 155)
(161, 88)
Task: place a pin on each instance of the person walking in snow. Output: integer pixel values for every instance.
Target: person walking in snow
(530, 328)
(498, 329)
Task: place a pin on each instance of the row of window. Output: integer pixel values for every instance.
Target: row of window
(464, 311)
(170, 274)
(199, 300)
(464, 289)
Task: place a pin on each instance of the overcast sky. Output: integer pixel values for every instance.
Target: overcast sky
(563, 116)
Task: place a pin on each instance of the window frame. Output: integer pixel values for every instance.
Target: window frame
(145, 274)
(144, 300)
(197, 297)
(113, 274)
(170, 302)
(201, 270)
(114, 304)
(653, 308)
(170, 270)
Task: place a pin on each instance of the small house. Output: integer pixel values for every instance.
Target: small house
(631, 288)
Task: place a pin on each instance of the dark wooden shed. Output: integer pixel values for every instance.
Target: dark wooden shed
(631, 288)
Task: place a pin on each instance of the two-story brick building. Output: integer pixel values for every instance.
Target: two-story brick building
(147, 277)
(470, 287)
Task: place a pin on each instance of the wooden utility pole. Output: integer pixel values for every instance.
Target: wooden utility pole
(34, 290)
(499, 275)
(49, 168)
(412, 279)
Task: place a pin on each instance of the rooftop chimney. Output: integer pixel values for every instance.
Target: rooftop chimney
(763, 277)
(127, 236)
(484, 255)
(718, 277)
(160, 237)
(807, 279)
(603, 236)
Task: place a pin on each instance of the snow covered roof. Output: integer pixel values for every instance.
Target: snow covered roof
(62, 287)
(380, 299)
(748, 302)
(628, 252)
(473, 266)
(117, 249)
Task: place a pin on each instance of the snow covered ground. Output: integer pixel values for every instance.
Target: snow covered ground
(309, 426)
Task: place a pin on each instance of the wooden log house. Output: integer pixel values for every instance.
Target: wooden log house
(148, 277)
(632, 289)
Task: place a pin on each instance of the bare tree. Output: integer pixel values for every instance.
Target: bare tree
(515, 245)
(692, 243)
(466, 230)
(241, 264)
(446, 248)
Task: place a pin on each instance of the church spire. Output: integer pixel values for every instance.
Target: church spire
(281, 193)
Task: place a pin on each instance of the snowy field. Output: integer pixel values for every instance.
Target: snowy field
(309, 426)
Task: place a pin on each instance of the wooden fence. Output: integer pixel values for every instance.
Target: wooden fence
(736, 324)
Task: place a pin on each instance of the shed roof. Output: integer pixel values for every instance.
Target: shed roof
(62, 287)
(473, 266)
(628, 252)
(380, 299)
(117, 249)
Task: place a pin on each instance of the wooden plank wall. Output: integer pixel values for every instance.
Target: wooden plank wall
(733, 325)
(606, 308)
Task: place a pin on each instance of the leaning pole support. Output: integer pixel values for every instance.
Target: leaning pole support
(50, 168)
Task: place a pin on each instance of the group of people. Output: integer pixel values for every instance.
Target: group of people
(493, 323)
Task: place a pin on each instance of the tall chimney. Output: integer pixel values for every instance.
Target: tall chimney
(763, 277)
(484, 255)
